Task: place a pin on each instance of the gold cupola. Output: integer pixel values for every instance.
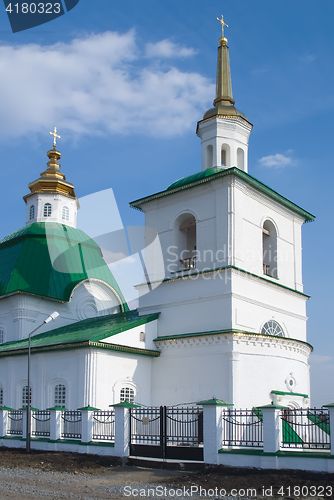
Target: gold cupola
(52, 180)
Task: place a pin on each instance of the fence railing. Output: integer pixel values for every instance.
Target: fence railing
(41, 423)
(15, 423)
(305, 428)
(242, 428)
(145, 425)
(184, 425)
(104, 425)
(71, 424)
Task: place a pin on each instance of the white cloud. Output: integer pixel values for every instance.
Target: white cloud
(277, 160)
(101, 83)
(168, 49)
(308, 58)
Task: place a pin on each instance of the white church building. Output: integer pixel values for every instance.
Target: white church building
(228, 319)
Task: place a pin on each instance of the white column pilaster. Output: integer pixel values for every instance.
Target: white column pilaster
(55, 424)
(212, 428)
(272, 428)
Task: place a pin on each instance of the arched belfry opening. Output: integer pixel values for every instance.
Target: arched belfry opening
(225, 155)
(209, 156)
(241, 159)
(269, 248)
(186, 240)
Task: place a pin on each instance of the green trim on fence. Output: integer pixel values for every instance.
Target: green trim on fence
(272, 406)
(88, 408)
(126, 404)
(213, 402)
(290, 436)
(324, 426)
(303, 454)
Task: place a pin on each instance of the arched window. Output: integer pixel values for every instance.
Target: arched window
(60, 395)
(32, 212)
(25, 395)
(186, 241)
(269, 248)
(47, 210)
(271, 327)
(225, 155)
(2, 335)
(1, 396)
(65, 213)
(127, 394)
(209, 156)
(240, 158)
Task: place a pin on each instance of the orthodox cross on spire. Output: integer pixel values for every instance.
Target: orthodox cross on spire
(222, 23)
(55, 136)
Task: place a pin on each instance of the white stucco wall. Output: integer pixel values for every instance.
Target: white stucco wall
(240, 369)
(47, 370)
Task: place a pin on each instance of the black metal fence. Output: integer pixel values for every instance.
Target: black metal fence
(145, 425)
(71, 425)
(167, 432)
(40, 423)
(15, 423)
(305, 428)
(242, 428)
(184, 425)
(104, 425)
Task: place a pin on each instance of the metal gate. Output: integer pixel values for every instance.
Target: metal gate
(167, 432)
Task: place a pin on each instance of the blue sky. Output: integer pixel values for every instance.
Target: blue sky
(151, 65)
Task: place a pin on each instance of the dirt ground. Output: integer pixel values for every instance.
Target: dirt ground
(72, 476)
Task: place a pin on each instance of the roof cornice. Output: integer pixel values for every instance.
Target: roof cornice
(240, 174)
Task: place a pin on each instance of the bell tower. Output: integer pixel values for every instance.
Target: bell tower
(224, 131)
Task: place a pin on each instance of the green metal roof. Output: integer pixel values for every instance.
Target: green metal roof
(214, 173)
(184, 181)
(92, 330)
(49, 260)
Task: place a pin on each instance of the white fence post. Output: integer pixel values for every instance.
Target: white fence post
(87, 422)
(122, 428)
(4, 420)
(56, 422)
(272, 427)
(212, 428)
(24, 423)
(331, 424)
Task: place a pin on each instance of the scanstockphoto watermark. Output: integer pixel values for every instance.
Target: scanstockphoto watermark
(197, 491)
(194, 491)
(177, 260)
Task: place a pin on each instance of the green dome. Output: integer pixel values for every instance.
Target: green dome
(195, 177)
(49, 260)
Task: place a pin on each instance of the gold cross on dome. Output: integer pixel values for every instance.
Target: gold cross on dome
(222, 23)
(55, 136)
